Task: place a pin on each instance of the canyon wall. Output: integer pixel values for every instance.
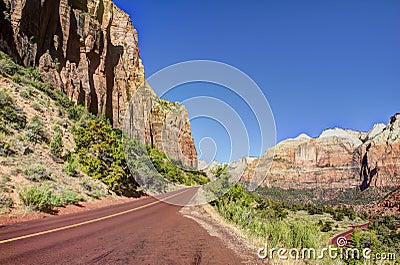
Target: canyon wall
(89, 50)
(336, 159)
(161, 124)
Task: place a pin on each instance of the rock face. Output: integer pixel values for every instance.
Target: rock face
(86, 48)
(89, 50)
(336, 159)
(161, 124)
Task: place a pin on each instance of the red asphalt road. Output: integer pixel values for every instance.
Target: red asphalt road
(151, 232)
(347, 234)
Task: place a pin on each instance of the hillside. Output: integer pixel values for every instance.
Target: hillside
(89, 51)
(30, 124)
(54, 152)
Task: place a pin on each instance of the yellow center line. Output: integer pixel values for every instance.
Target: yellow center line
(87, 222)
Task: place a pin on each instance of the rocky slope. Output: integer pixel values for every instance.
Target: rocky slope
(89, 50)
(337, 159)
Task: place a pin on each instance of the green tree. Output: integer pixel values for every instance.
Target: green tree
(99, 153)
(57, 145)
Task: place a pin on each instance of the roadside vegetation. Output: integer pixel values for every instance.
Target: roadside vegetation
(174, 171)
(283, 224)
(49, 142)
(382, 237)
(41, 198)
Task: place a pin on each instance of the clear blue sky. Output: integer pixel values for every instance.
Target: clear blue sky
(321, 64)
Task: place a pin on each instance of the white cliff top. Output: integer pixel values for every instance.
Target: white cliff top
(302, 136)
(377, 129)
(338, 132)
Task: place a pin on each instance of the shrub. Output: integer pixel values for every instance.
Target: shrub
(5, 149)
(40, 198)
(36, 106)
(10, 114)
(35, 131)
(338, 216)
(7, 65)
(37, 173)
(37, 198)
(5, 201)
(75, 112)
(327, 226)
(69, 197)
(70, 169)
(4, 183)
(26, 93)
(56, 145)
(100, 155)
(6, 15)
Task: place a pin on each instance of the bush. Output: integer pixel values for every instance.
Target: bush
(35, 131)
(327, 226)
(5, 149)
(68, 197)
(5, 185)
(338, 216)
(42, 199)
(70, 169)
(37, 173)
(56, 145)
(75, 112)
(26, 93)
(99, 153)
(10, 114)
(5, 201)
(36, 106)
(37, 198)
(7, 65)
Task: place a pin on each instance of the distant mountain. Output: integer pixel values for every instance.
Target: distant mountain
(337, 159)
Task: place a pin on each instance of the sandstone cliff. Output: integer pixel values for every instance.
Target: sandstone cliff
(162, 124)
(89, 50)
(336, 159)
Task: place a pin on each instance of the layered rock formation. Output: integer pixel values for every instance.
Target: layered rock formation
(161, 124)
(89, 50)
(336, 159)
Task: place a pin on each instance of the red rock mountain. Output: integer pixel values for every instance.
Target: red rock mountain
(336, 159)
(89, 50)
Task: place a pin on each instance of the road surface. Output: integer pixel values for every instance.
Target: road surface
(338, 239)
(145, 231)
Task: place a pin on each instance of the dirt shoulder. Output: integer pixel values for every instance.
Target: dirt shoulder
(233, 237)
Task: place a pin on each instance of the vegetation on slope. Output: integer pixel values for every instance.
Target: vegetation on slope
(349, 196)
(382, 237)
(174, 171)
(80, 143)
